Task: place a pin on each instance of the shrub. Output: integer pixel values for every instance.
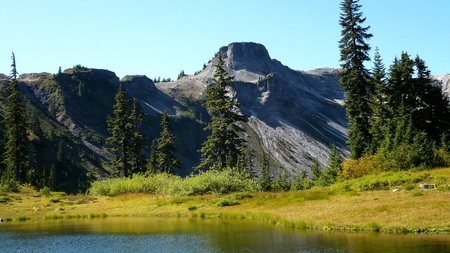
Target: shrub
(210, 182)
(45, 191)
(227, 202)
(357, 168)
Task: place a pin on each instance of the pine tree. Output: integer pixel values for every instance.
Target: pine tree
(17, 145)
(315, 170)
(164, 156)
(378, 103)
(138, 161)
(264, 178)
(355, 78)
(330, 174)
(119, 127)
(224, 143)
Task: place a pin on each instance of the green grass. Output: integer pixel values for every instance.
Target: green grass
(382, 181)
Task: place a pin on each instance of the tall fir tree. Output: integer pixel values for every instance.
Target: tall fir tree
(138, 161)
(355, 78)
(224, 144)
(378, 103)
(163, 152)
(16, 153)
(119, 126)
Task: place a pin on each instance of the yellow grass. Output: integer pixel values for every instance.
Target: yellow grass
(386, 210)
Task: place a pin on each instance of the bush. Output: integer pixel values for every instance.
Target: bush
(210, 182)
(357, 168)
(227, 202)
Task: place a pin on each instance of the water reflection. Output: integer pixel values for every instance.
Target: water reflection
(197, 235)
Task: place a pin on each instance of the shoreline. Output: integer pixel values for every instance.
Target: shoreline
(401, 212)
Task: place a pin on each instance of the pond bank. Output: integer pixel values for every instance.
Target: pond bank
(403, 211)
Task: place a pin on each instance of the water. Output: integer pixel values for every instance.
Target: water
(198, 235)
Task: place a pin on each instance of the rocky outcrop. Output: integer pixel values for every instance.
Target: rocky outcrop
(295, 115)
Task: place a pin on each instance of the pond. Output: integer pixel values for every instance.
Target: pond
(139, 234)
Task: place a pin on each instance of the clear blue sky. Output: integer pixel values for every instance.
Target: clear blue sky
(160, 38)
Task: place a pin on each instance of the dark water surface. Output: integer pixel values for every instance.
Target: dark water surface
(198, 235)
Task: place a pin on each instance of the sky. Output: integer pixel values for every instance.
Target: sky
(161, 38)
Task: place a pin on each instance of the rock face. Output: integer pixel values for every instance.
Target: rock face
(295, 116)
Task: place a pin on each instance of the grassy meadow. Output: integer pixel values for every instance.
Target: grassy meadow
(389, 202)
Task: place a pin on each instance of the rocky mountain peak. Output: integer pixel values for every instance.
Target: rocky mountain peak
(138, 82)
(246, 55)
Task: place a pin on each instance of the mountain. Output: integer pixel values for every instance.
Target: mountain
(293, 116)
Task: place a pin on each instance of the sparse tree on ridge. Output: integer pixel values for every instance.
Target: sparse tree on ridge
(224, 143)
(17, 145)
(355, 78)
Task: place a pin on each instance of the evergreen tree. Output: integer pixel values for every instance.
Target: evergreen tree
(416, 102)
(16, 153)
(153, 165)
(164, 156)
(330, 174)
(224, 143)
(315, 170)
(264, 178)
(119, 127)
(137, 160)
(355, 78)
(378, 103)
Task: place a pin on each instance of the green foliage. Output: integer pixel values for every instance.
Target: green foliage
(330, 174)
(224, 144)
(126, 141)
(264, 179)
(281, 183)
(315, 170)
(301, 182)
(138, 141)
(163, 150)
(228, 201)
(16, 153)
(210, 182)
(355, 78)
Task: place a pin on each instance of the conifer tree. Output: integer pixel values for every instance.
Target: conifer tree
(378, 103)
(224, 144)
(416, 101)
(163, 154)
(355, 78)
(264, 178)
(137, 159)
(17, 145)
(119, 127)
